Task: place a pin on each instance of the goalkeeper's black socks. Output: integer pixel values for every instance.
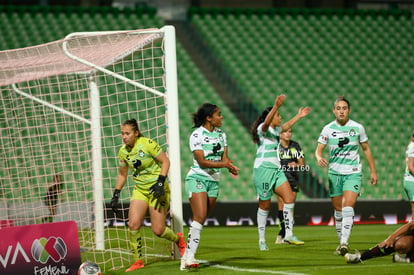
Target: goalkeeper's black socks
(377, 252)
(411, 256)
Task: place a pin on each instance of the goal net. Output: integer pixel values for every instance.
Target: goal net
(62, 107)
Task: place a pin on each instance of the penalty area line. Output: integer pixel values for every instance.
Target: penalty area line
(251, 270)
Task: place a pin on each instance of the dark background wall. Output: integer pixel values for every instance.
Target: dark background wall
(317, 212)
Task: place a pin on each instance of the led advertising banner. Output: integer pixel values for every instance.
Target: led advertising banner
(40, 249)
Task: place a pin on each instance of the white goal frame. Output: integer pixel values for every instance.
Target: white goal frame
(172, 120)
(173, 135)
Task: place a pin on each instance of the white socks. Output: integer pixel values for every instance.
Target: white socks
(338, 223)
(347, 223)
(288, 216)
(261, 223)
(193, 239)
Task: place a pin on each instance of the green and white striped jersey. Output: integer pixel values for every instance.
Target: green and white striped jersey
(267, 153)
(343, 142)
(212, 144)
(409, 154)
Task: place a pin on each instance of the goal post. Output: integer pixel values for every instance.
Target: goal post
(63, 104)
(173, 132)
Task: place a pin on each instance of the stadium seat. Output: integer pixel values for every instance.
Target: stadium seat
(319, 55)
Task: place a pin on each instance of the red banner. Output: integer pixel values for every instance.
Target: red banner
(40, 249)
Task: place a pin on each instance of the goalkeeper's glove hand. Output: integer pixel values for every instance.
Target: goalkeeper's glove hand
(114, 201)
(158, 187)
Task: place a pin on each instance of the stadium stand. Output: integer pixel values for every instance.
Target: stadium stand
(316, 55)
(30, 25)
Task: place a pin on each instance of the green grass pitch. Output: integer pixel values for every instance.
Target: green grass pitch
(234, 250)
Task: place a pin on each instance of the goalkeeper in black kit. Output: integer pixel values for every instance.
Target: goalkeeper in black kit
(401, 243)
(150, 167)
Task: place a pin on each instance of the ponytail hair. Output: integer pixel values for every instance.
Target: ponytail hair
(134, 124)
(204, 111)
(257, 122)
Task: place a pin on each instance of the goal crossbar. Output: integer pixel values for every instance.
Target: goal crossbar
(151, 36)
(37, 62)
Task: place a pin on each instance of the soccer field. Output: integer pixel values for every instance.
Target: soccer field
(234, 250)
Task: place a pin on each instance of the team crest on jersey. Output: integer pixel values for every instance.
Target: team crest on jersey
(199, 185)
(352, 133)
(141, 154)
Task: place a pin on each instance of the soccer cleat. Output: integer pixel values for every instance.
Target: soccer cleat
(181, 243)
(293, 240)
(279, 240)
(398, 258)
(137, 265)
(182, 265)
(337, 251)
(187, 264)
(263, 246)
(343, 249)
(353, 258)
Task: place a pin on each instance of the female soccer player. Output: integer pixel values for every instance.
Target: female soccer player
(292, 161)
(150, 167)
(409, 174)
(268, 176)
(209, 146)
(401, 242)
(344, 136)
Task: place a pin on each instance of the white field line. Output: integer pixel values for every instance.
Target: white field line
(262, 271)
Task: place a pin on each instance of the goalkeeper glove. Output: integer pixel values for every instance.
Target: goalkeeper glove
(114, 201)
(158, 187)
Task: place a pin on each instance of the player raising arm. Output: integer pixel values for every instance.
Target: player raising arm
(344, 136)
(268, 177)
